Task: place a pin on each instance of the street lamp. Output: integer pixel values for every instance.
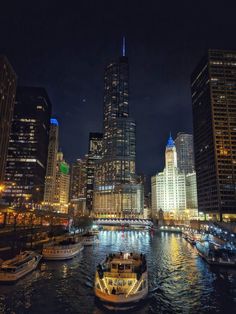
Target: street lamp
(2, 188)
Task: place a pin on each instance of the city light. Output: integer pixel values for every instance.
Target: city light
(117, 157)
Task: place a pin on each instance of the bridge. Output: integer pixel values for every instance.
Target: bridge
(123, 222)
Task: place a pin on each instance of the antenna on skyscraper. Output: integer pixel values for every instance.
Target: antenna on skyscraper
(123, 47)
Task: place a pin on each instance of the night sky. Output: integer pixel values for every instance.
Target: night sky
(64, 46)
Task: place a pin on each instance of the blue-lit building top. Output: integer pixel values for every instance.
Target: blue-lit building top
(170, 142)
(54, 121)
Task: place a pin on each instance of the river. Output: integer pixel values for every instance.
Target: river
(179, 280)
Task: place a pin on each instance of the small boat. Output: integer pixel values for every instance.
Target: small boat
(94, 231)
(191, 236)
(63, 250)
(22, 264)
(215, 253)
(121, 280)
(89, 239)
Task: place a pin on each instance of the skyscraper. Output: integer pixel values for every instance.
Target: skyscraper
(50, 179)
(191, 194)
(28, 146)
(117, 193)
(185, 153)
(7, 98)
(61, 197)
(214, 124)
(169, 186)
(78, 185)
(94, 156)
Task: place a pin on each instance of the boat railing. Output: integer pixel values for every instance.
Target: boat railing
(60, 247)
(125, 256)
(117, 275)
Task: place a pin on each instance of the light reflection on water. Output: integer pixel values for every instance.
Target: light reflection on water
(179, 281)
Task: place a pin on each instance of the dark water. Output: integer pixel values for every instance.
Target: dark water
(179, 280)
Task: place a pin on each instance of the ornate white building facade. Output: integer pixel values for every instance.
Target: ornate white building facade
(169, 186)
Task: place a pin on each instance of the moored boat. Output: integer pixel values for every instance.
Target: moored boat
(216, 253)
(121, 281)
(63, 250)
(191, 236)
(19, 266)
(89, 239)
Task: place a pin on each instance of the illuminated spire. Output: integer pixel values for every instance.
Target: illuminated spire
(123, 47)
(170, 142)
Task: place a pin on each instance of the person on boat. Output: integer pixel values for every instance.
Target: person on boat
(113, 291)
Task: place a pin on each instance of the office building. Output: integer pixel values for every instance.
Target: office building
(7, 99)
(185, 153)
(191, 195)
(78, 185)
(169, 186)
(116, 191)
(214, 125)
(94, 156)
(28, 147)
(61, 197)
(50, 179)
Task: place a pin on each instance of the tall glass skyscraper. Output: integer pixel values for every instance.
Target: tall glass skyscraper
(28, 146)
(117, 193)
(214, 127)
(7, 98)
(94, 156)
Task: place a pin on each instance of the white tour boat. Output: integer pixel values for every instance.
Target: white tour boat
(14, 269)
(216, 253)
(89, 239)
(63, 250)
(121, 281)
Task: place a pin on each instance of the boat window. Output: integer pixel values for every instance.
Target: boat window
(110, 282)
(127, 266)
(120, 282)
(121, 267)
(130, 282)
(114, 266)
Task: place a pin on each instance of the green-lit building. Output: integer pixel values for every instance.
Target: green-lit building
(62, 186)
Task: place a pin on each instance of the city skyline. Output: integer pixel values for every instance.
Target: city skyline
(160, 66)
(117, 157)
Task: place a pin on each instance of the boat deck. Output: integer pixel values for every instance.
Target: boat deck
(18, 261)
